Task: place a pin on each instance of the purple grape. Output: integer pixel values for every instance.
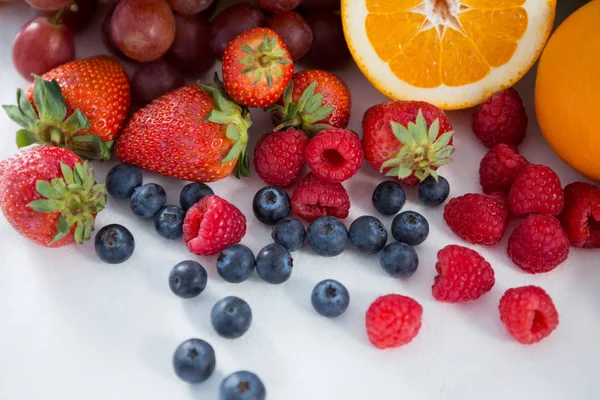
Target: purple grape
(321, 4)
(276, 6)
(329, 48)
(152, 80)
(231, 22)
(107, 37)
(191, 51)
(77, 16)
(190, 7)
(48, 4)
(294, 30)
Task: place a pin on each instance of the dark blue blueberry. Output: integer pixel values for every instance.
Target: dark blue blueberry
(194, 361)
(433, 193)
(122, 179)
(169, 222)
(271, 204)
(330, 298)
(242, 385)
(410, 227)
(193, 193)
(368, 234)
(236, 263)
(114, 244)
(274, 264)
(231, 317)
(327, 236)
(187, 279)
(147, 200)
(388, 197)
(399, 260)
(289, 233)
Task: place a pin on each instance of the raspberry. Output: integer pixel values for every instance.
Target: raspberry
(314, 198)
(536, 189)
(528, 314)
(499, 167)
(462, 275)
(477, 218)
(581, 214)
(334, 154)
(501, 119)
(211, 225)
(393, 321)
(279, 156)
(538, 244)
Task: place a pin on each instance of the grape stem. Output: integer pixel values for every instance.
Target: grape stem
(56, 19)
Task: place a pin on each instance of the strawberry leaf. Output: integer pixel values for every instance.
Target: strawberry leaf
(25, 138)
(62, 228)
(402, 134)
(46, 206)
(25, 106)
(47, 190)
(434, 131)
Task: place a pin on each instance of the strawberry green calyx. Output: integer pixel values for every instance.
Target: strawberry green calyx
(77, 197)
(48, 125)
(265, 60)
(422, 150)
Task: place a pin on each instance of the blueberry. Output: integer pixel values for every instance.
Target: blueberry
(327, 236)
(169, 222)
(433, 193)
(274, 264)
(368, 234)
(289, 233)
(271, 204)
(114, 244)
(410, 227)
(193, 193)
(122, 179)
(388, 197)
(399, 260)
(147, 200)
(236, 263)
(242, 385)
(231, 317)
(194, 361)
(187, 279)
(330, 298)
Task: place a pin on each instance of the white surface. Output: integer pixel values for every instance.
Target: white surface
(74, 328)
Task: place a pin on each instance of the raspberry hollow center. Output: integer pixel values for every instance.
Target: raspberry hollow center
(539, 323)
(333, 158)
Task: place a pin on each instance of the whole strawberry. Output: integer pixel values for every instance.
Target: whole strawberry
(334, 154)
(393, 321)
(279, 156)
(499, 167)
(407, 140)
(536, 189)
(581, 214)
(257, 67)
(314, 198)
(50, 196)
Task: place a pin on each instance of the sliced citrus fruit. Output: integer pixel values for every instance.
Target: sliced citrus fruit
(451, 53)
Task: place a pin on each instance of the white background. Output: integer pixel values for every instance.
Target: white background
(72, 327)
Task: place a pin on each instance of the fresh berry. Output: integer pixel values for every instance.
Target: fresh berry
(410, 227)
(538, 244)
(498, 169)
(314, 198)
(536, 189)
(257, 68)
(501, 119)
(114, 244)
(327, 236)
(388, 198)
(274, 264)
(236, 263)
(147, 200)
(279, 156)
(433, 192)
(211, 225)
(478, 218)
(334, 154)
(188, 279)
(168, 222)
(194, 361)
(403, 140)
(463, 275)
(399, 260)
(231, 317)
(193, 193)
(368, 234)
(242, 385)
(528, 314)
(393, 321)
(581, 215)
(271, 204)
(289, 233)
(330, 298)
(122, 180)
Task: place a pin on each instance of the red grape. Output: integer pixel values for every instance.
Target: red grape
(109, 43)
(190, 7)
(210, 10)
(321, 4)
(294, 31)
(231, 22)
(191, 50)
(329, 48)
(143, 29)
(48, 4)
(78, 15)
(276, 6)
(40, 46)
(152, 80)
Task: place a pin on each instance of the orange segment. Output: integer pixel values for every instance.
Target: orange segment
(388, 33)
(418, 62)
(461, 61)
(490, 4)
(387, 6)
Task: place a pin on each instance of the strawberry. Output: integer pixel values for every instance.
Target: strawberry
(193, 133)
(407, 140)
(50, 196)
(257, 67)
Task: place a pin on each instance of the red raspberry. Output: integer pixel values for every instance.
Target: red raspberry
(538, 244)
(334, 154)
(314, 198)
(279, 156)
(499, 167)
(462, 275)
(211, 225)
(528, 314)
(536, 189)
(581, 215)
(477, 218)
(393, 321)
(501, 119)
